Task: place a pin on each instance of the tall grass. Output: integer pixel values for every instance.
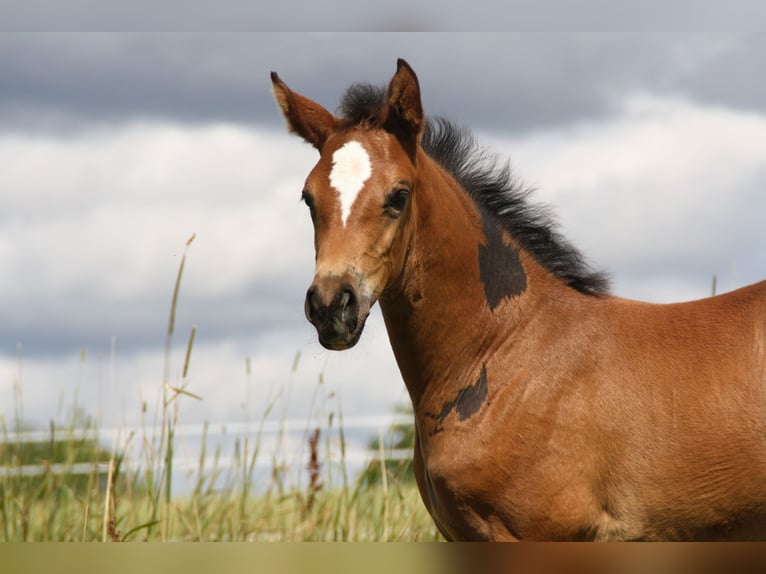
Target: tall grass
(115, 501)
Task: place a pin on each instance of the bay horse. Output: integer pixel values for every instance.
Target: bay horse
(545, 407)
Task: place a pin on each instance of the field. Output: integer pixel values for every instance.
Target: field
(80, 490)
(114, 504)
(76, 483)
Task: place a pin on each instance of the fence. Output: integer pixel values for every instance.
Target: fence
(290, 434)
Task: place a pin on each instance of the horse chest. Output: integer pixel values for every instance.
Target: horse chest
(479, 487)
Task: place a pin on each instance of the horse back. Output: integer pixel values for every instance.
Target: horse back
(688, 410)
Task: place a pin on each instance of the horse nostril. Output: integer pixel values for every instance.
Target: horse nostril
(347, 298)
(312, 301)
(344, 305)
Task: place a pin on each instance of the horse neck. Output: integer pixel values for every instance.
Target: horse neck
(442, 318)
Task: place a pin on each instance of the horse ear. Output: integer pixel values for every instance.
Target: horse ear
(304, 117)
(404, 115)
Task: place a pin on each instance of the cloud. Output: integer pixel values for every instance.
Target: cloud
(237, 378)
(93, 226)
(500, 82)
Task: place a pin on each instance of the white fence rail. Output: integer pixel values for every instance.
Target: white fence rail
(292, 453)
(374, 422)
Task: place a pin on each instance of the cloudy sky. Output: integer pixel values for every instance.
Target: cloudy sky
(116, 148)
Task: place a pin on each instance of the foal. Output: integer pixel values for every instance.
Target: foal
(545, 408)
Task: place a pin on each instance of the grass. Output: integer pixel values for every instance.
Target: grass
(112, 501)
(51, 510)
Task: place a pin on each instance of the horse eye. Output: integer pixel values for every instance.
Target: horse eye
(308, 199)
(397, 201)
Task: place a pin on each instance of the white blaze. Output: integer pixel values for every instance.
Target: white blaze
(351, 167)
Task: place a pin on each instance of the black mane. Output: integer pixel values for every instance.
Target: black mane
(492, 186)
(363, 104)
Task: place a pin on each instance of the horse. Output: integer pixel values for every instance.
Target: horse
(545, 407)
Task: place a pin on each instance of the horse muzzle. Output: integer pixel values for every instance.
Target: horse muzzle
(337, 311)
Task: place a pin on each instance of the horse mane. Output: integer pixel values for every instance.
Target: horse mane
(492, 186)
(363, 104)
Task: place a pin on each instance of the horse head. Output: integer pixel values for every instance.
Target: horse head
(359, 195)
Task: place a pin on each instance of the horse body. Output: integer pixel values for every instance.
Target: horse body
(610, 420)
(542, 411)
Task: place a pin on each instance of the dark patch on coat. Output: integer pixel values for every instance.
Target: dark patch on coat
(500, 269)
(466, 403)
